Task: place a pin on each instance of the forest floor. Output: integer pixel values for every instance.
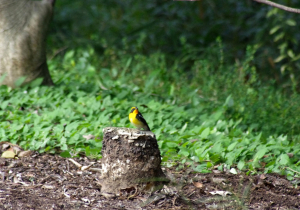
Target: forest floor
(43, 181)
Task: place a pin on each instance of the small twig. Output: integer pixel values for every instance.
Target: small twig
(96, 169)
(292, 170)
(134, 194)
(191, 194)
(279, 6)
(83, 168)
(68, 165)
(75, 163)
(57, 52)
(70, 173)
(65, 193)
(174, 201)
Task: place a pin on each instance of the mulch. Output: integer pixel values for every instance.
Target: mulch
(44, 181)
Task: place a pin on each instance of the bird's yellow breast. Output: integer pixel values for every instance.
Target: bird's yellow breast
(134, 120)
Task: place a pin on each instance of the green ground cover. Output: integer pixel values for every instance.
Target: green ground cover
(211, 118)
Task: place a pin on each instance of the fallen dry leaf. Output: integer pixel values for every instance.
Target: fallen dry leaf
(198, 184)
(8, 154)
(26, 153)
(262, 176)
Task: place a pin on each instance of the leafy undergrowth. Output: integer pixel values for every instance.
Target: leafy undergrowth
(203, 119)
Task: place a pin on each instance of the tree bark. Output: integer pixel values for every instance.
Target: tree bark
(131, 159)
(23, 28)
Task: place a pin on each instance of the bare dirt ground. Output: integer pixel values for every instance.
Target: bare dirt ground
(43, 181)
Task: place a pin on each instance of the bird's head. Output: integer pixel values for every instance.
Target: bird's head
(134, 110)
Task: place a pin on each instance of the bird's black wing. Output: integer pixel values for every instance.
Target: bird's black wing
(140, 117)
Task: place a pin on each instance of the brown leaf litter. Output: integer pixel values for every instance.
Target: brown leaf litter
(43, 181)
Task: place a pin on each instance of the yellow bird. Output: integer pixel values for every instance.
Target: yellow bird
(137, 119)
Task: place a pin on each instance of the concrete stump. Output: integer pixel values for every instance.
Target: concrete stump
(131, 158)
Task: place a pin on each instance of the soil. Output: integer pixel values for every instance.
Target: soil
(43, 181)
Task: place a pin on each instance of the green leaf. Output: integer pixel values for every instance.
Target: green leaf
(37, 82)
(260, 153)
(279, 58)
(200, 168)
(4, 104)
(65, 154)
(297, 57)
(209, 165)
(271, 12)
(171, 144)
(232, 146)
(70, 128)
(241, 164)
(172, 88)
(274, 30)
(205, 133)
(183, 128)
(20, 81)
(229, 101)
(279, 36)
(283, 159)
(64, 147)
(291, 53)
(184, 152)
(291, 22)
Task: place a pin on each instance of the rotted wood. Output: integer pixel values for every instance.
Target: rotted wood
(131, 158)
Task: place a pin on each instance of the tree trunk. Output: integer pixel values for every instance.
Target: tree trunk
(23, 27)
(131, 159)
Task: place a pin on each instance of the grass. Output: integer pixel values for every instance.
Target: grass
(208, 117)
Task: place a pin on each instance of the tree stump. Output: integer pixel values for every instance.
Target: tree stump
(131, 159)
